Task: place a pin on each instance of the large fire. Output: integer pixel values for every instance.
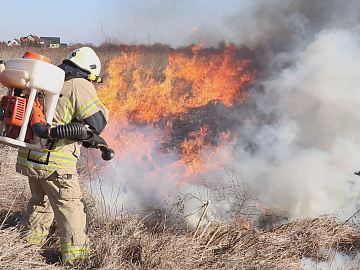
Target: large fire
(145, 97)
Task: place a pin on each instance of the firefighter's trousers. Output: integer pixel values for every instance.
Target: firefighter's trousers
(58, 196)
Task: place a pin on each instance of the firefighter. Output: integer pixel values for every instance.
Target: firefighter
(52, 173)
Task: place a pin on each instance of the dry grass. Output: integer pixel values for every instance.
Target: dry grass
(106, 53)
(129, 242)
(15, 254)
(130, 245)
(56, 55)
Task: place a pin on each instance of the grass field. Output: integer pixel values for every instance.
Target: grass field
(129, 241)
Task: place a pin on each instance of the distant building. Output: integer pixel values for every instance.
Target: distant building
(32, 40)
(13, 42)
(53, 42)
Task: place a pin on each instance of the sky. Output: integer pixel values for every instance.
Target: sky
(170, 22)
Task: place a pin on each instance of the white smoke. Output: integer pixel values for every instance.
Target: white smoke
(279, 24)
(299, 149)
(306, 157)
(299, 145)
(336, 260)
(137, 181)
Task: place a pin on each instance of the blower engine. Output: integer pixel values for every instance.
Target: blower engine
(28, 107)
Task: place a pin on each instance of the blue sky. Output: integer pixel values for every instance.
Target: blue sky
(126, 21)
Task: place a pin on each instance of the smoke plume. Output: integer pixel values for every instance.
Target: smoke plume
(298, 145)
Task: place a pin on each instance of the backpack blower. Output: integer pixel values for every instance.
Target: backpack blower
(28, 107)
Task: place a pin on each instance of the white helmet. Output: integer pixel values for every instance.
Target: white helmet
(86, 59)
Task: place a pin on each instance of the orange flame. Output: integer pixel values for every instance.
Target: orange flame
(142, 90)
(190, 150)
(244, 222)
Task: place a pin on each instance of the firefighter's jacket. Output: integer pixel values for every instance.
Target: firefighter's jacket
(78, 101)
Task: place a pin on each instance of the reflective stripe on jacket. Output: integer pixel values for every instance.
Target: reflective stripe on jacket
(78, 100)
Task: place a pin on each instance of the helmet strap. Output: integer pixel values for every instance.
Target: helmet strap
(94, 78)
